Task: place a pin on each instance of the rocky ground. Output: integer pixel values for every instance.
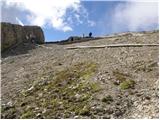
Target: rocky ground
(49, 81)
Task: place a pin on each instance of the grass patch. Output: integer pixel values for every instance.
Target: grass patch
(127, 84)
(125, 81)
(68, 91)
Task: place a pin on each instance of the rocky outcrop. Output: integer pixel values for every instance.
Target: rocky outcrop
(13, 35)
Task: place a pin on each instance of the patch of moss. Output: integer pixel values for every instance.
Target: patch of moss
(91, 68)
(127, 84)
(95, 87)
(124, 80)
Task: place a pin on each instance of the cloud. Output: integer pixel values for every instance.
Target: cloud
(10, 13)
(42, 13)
(91, 23)
(135, 16)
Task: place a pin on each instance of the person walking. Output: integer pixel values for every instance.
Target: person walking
(90, 34)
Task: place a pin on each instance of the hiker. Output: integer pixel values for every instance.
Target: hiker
(70, 38)
(90, 34)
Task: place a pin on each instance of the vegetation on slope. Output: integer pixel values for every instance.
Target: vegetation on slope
(62, 95)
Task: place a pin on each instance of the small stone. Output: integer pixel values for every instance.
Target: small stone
(38, 115)
(108, 99)
(85, 111)
(118, 113)
(93, 117)
(148, 97)
(40, 94)
(109, 111)
(43, 83)
(10, 104)
(138, 94)
(118, 103)
(106, 117)
(60, 103)
(99, 109)
(119, 96)
(45, 89)
(36, 108)
(31, 88)
(77, 96)
(59, 63)
(28, 107)
(23, 104)
(93, 108)
(126, 94)
(44, 111)
(76, 117)
(117, 82)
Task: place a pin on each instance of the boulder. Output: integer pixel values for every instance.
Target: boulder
(12, 35)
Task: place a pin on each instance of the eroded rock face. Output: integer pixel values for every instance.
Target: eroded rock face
(37, 31)
(12, 35)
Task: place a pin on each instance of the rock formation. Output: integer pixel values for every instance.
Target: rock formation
(13, 35)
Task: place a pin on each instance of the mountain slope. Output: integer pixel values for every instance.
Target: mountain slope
(52, 82)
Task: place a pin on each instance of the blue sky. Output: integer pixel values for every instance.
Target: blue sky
(73, 17)
(95, 11)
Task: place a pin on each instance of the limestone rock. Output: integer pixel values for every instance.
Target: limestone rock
(12, 35)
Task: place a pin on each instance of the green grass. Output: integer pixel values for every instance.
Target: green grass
(125, 80)
(127, 84)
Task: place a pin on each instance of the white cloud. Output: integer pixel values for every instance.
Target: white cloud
(135, 16)
(67, 28)
(42, 13)
(91, 23)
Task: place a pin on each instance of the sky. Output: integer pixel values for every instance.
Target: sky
(61, 19)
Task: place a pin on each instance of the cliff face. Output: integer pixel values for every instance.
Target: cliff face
(12, 35)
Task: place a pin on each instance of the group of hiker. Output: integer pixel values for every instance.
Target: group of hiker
(72, 38)
(32, 38)
(90, 35)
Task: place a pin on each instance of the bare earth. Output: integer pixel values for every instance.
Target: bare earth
(52, 82)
